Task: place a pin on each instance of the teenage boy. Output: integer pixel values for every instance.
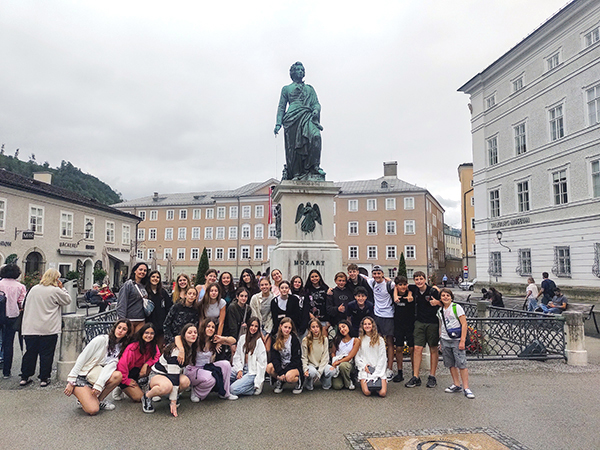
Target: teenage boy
(355, 280)
(404, 324)
(358, 309)
(427, 331)
(383, 291)
(338, 300)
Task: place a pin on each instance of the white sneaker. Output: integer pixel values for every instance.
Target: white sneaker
(117, 394)
(106, 406)
(232, 397)
(194, 398)
(156, 398)
(389, 374)
(351, 386)
(258, 391)
(278, 387)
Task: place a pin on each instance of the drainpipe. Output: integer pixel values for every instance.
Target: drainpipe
(466, 235)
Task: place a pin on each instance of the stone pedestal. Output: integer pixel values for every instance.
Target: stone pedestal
(575, 335)
(298, 252)
(71, 343)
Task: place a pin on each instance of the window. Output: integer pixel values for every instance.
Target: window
(372, 252)
(152, 234)
(409, 203)
(258, 252)
(141, 234)
(220, 233)
(246, 231)
(592, 37)
(490, 101)
(372, 204)
(524, 261)
(195, 254)
(390, 204)
(126, 234)
(36, 219)
(557, 130)
(168, 234)
(593, 101)
(559, 185)
(517, 84)
(495, 264)
(233, 212)
(183, 214)
(596, 178)
(233, 233)
(390, 251)
(170, 214)
(154, 214)
(492, 145)
(110, 232)
(371, 227)
(495, 203)
(259, 213)
(182, 234)
(334, 207)
(220, 213)
(142, 215)
(195, 233)
(352, 205)
(562, 261)
(66, 224)
(352, 228)
(219, 252)
(245, 252)
(434, 218)
(474, 250)
(208, 233)
(472, 223)
(353, 252)
(520, 145)
(209, 253)
(140, 254)
(410, 251)
(553, 61)
(259, 231)
(151, 253)
(390, 227)
(89, 234)
(168, 253)
(197, 214)
(180, 254)
(272, 231)
(246, 212)
(210, 213)
(410, 273)
(523, 196)
(472, 201)
(409, 227)
(232, 253)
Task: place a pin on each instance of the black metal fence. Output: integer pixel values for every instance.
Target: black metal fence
(100, 323)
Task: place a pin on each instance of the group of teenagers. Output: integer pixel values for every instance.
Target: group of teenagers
(219, 337)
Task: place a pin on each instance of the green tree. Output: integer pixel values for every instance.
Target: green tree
(402, 266)
(203, 266)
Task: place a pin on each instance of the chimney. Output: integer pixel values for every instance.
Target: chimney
(390, 169)
(44, 177)
(155, 197)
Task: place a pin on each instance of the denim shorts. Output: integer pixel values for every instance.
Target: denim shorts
(453, 357)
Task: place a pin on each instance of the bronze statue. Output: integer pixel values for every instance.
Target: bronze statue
(311, 214)
(302, 128)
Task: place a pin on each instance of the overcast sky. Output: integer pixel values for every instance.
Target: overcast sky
(181, 96)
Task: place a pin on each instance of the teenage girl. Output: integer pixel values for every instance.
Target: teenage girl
(227, 287)
(137, 359)
(343, 352)
(277, 278)
(260, 305)
(210, 277)
(286, 358)
(162, 305)
(212, 306)
(166, 377)
(249, 362)
(315, 357)
(95, 374)
(298, 290)
(131, 297)
(238, 313)
(182, 284)
(316, 294)
(180, 314)
(371, 359)
(285, 305)
(248, 280)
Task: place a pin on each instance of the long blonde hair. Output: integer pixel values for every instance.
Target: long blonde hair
(177, 292)
(50, 278)
(280, 340)
(374, 333)
(310, 336)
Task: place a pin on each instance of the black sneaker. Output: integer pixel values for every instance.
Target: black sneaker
(147, 405)
(398, 378)
(431, 381)
(413, 382)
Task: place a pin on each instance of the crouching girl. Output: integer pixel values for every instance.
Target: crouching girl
(286, 358)
(249, 362)
(371, 359)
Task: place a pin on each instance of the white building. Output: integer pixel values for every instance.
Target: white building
(536, 154)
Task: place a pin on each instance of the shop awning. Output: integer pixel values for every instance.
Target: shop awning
(121, 257)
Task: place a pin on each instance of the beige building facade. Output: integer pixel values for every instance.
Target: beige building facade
(467, 212)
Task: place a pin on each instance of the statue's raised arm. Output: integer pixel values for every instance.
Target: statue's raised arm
(299, 112)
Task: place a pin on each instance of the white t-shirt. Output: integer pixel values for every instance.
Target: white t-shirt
(384, 303)
(534, 290)
(214, 310)
(450, 319)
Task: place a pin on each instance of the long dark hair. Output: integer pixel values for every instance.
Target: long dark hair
(298, 292)
(146, 348)
(309, 284)
(159, 288)
(228, 290)
(202, 336)
(189, 350)
(132, 274)
(205, 301)
(338, 336)
(112, 338)
(251, 339)
(252, 287)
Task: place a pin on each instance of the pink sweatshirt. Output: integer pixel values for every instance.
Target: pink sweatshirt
(133, 358)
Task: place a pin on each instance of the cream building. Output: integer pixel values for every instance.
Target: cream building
(49, 227)
(536, 154)
(467, 213)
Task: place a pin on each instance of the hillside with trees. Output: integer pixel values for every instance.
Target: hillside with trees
(67, 176)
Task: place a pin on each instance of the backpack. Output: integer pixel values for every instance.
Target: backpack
(388, 285)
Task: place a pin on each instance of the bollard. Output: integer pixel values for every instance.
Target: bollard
(71, 343)
(575, 336)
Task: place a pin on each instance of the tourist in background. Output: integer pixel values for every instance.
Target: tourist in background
(15, 294)
(531, 295)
